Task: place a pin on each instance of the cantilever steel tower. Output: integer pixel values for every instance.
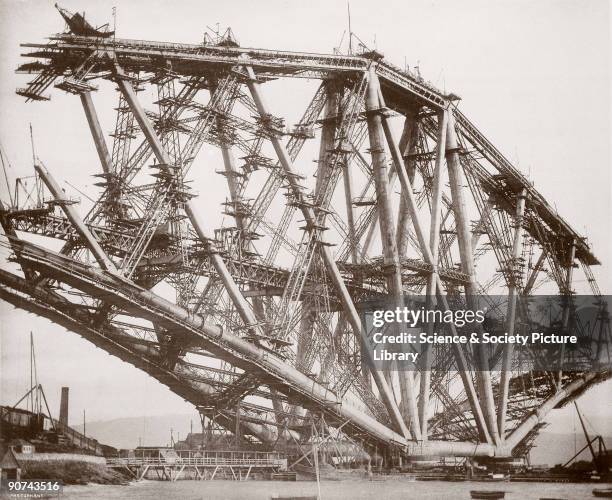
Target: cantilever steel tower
(264, 325)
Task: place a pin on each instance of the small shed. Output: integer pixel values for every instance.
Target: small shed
(10, 470)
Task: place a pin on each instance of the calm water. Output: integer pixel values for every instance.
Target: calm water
(330, 490)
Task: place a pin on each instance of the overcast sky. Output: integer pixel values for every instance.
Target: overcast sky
(533, 75)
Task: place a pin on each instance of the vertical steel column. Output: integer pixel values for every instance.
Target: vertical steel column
(458, 203)
(427, 256)
(566, 307)
(326, 149)
(306, 326)
(350, 212)
(96, 131)
(363, 348)
(387, 230)
(381, 182)
(407, 145)
(237, 428)
(231, 172)
(328, 134)
(75, 219)
(467, 261)
(404, 214)
(330, 263)
(506, 369)
(369, 239)
(347, 176)
(408, 140)
(434, 243)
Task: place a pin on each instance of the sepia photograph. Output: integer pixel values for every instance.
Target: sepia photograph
(325, 250)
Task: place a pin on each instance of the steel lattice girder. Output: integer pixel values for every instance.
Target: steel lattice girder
(82, 57)
(194, 60)
(225, 345)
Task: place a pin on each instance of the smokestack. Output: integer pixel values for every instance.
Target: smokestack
(63, 418)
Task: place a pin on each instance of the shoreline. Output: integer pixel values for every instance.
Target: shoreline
(73, 471)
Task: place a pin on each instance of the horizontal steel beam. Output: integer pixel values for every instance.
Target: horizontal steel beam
(398, 87)
(150, 56)
(244, 271)
(144, 303)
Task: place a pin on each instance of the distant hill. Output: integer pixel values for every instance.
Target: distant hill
(551, 447)
(147, 431)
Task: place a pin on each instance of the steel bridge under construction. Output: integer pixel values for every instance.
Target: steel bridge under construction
(263, 330)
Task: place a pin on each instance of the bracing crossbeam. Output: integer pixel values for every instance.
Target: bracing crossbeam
(265, 330)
